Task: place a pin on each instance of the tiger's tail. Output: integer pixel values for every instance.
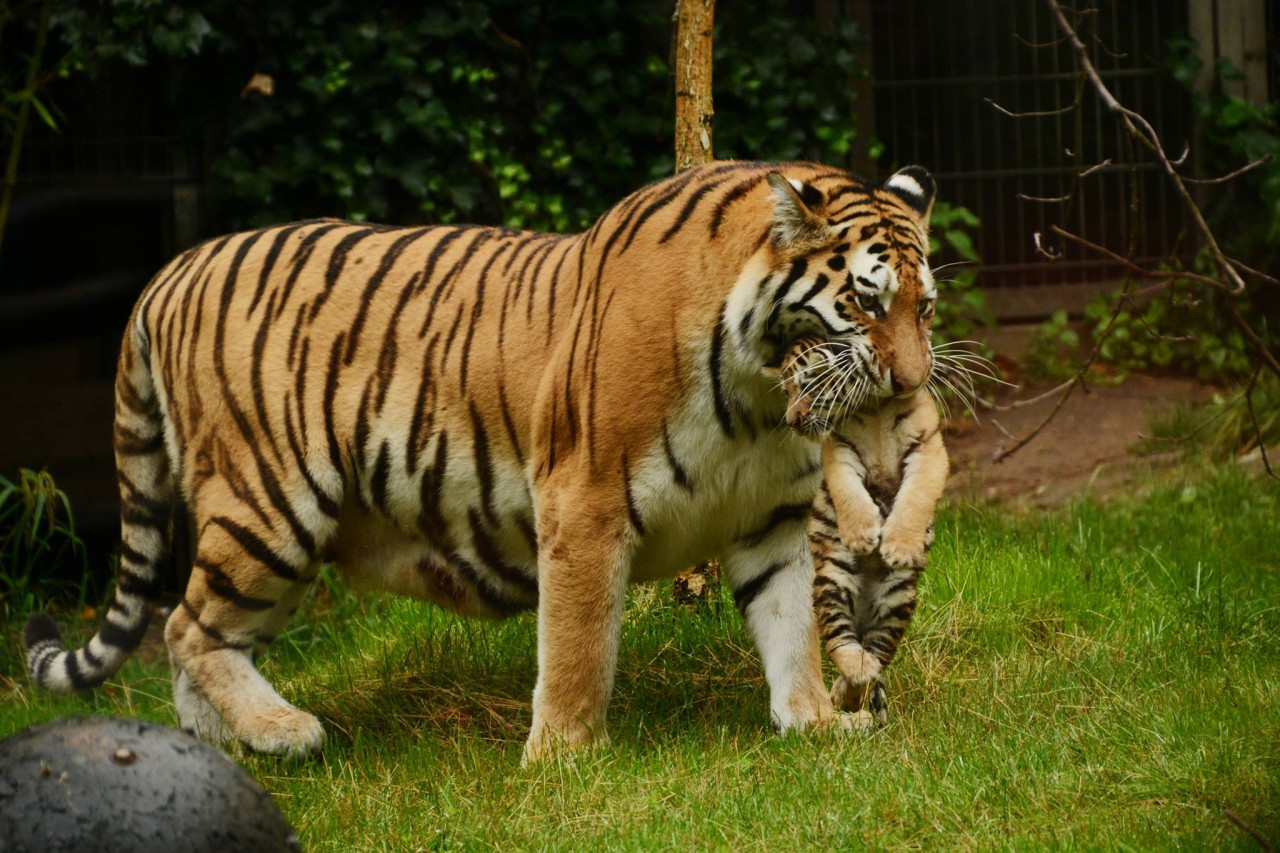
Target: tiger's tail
(148, 512)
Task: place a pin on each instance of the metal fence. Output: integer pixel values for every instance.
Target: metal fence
(940, 66)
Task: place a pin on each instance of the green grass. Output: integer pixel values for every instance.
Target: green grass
(1105, 677)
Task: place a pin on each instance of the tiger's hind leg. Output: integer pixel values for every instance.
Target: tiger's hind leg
(195, 713)
(246, 580)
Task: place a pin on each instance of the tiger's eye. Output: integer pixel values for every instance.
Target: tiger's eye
(869, 303)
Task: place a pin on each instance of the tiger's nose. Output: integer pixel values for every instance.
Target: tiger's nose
(896, 384)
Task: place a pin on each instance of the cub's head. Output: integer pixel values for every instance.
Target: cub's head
(849, 319)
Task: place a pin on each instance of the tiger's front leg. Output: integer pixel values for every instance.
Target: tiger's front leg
(583, 568)
(772, 582)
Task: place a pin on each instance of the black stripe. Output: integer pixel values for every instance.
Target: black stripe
(389, 258)
(431, 495)
(744, 595)
(423, 418)
(256, 548)
(676, 186)
(221, 585)
(677, 470)
(74, 675)
(337, 262)
(484, 465)
(632, 512)
(819, 282)
(491, 557)
(129, 443)
(689, 206)
(717, 215)
(327, 405)
(378, 485)
(481, 585)
(780, 515)
(717, 391)
(483, 236)
(301, 255)
(213, 633)
(509, 423)
(268, 266)
(125, 638)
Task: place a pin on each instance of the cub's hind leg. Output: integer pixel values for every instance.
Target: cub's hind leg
(245, 580)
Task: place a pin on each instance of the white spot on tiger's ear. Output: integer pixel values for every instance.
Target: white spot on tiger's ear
(916, 187)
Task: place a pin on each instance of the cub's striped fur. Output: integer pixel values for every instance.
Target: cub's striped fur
(884, 469)
(494, 421)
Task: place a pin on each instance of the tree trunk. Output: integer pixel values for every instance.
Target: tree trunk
(692, 61)
(691, 57)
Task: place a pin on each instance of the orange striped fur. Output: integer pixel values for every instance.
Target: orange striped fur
(493, 421)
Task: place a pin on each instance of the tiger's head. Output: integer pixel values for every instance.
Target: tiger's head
(850, 323)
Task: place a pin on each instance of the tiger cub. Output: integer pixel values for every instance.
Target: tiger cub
(884, 467)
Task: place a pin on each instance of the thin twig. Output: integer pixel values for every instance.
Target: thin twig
(1257, 429)
(1096, 168)
(1248, 167)
(1039, 398)
(1034, 113)
(1042, 200)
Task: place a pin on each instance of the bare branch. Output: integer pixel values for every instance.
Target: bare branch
(1140, 129)
(1134, 268)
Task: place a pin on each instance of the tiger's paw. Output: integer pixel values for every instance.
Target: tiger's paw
(282, 730)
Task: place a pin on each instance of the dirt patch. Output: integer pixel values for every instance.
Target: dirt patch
(1090, 447)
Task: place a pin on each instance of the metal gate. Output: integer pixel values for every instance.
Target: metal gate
(943, 72)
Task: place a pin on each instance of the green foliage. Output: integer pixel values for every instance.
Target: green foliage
(37, 534)
(531, 114)
(1232, 424)
(1054, 350)
(962, 307)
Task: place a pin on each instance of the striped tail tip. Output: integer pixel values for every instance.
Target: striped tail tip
(43, 642)
(60, 670)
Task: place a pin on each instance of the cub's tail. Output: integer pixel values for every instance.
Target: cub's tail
(147, 514)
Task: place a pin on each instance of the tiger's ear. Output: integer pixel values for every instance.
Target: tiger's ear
(915, 186)
(797, 226)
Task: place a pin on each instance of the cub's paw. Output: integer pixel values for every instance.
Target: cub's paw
(858, 722)
(901, 550)
(860, 535)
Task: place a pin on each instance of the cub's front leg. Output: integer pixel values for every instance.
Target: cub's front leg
(908, 530)
(857, 517)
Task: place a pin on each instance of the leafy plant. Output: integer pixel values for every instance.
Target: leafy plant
(37, 535)
(962, 308)
(1054, 349)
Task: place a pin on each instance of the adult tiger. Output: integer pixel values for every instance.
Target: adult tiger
(497, 420)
